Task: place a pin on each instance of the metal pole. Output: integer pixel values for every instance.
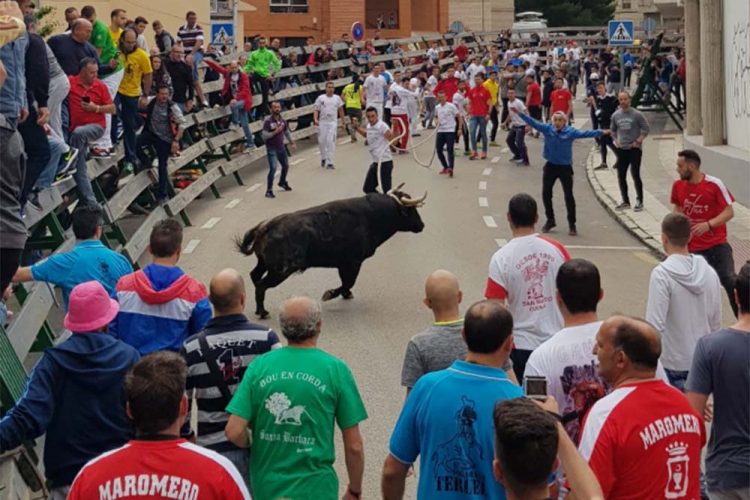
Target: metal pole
(235, 29)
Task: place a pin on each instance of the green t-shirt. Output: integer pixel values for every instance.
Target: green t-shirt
(101, 39)
(291, 398)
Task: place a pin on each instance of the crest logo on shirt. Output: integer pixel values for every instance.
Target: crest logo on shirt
(677, 467)
(534, 274)
(279, 405)
(229, 365)
(456, 462)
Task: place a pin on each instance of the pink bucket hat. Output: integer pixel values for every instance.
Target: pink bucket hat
(89, 308)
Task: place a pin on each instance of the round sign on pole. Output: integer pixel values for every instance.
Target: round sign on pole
(358, 31)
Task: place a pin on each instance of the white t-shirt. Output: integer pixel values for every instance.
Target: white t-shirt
(374, 88)
(460, 74)
(328, 108)
(446, 114)
(459, 100)
(399, 97)
(519, 106)
(377, 143)
(431, 84)
(523, 273)
(472, 71)
(433, 53)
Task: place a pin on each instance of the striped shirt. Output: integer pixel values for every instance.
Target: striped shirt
(189, 36)
(236, 342)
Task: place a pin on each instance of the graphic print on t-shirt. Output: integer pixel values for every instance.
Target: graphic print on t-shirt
(533, 271)
(677, 467)
(456, 462)
(229, 366)
(279, 405)
(582, 387)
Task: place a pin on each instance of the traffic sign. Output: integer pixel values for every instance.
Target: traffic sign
(648, 24)
(222, 33)
(621, 33)
(358, 31)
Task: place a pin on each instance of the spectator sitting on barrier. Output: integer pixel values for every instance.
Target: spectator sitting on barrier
(75, 393)
(70, 48)
(162, 131)
(164, 40)
(160, 305)
(88, 101)
(236, 93)
(89, 260)
(261, 65)
(181, 75)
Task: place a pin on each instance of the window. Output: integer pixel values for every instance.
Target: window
(626, 4)
(288, 6)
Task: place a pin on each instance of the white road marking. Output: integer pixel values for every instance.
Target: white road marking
(233, 203)
(489, 221)
(211, 222)
(488, 170)
(297, 161)
(605, 247)
(253, 187)
(190, 246)
(483, 185)
(483, 202)
(504, 150)
(317, 152)
(496, 159)
(344, 141)
(501, 242)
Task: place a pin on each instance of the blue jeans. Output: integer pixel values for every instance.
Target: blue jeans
(516, 142)
(197, 58)
(443, 140)
(127, 109)
(80, 139)
(56, 148)
(162, 148)
(240, 458)
(239, 116)
(677, 378)
(478, 123)
(275, 155)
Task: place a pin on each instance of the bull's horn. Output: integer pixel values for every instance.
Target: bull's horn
(397, 188)
(418, 202)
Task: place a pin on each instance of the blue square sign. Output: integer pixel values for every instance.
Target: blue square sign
(621, 33)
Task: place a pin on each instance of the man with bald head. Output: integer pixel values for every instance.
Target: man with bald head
(290, 399)
(643, 440)
(437, 347)
(72, 47)
(217, 358)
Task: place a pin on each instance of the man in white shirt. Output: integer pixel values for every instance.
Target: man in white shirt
(566, 360)
(522, 274)
(399, 96)
(378, 136)
(328, 109)
(684, 299)
(375, 88)
(462, 124)
(516, 139)
(474, 69)
(447, 114)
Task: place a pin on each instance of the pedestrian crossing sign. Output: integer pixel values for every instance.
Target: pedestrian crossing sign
(621, 33)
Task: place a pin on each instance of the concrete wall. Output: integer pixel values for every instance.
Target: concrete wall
(482, 15)
(170, 12)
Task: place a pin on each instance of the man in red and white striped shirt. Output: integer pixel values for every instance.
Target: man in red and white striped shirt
(158, 463)
(643, 440)
(522, 274)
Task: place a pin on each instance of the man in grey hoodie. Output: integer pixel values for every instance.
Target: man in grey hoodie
(684, 299)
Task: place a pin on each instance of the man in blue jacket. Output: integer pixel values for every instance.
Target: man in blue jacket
(558, 151)
(75, 393)
(160, 305)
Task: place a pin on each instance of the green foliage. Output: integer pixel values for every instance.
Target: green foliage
(46, 28)
(571, 12)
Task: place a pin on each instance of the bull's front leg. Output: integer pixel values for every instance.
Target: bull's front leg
(348, 274)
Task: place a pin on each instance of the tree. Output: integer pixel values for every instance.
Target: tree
(46, 27)
(571, 12)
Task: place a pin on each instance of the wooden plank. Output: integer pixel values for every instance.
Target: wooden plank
(138, 243)
(50, 199)
(187, 195)
(119, 203)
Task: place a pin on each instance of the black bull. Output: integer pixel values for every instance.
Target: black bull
(340, 234)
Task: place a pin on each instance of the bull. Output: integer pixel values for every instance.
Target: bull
(340, 234)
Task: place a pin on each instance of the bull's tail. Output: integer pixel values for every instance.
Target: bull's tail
(245, 245)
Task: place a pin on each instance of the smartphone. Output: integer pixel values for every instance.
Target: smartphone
(86, 99)
(535, 387)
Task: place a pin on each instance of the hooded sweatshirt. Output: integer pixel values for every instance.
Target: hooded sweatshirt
(160, 307)
(75, 394)
(684, 304)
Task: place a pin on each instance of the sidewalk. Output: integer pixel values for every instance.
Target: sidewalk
(658, 172)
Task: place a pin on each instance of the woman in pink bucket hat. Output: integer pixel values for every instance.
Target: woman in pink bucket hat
(75, 393)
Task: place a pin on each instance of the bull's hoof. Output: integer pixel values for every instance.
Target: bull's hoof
(263, 314)
(330, 295)
(347, 295)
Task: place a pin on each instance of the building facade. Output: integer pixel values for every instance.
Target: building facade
(667, 14)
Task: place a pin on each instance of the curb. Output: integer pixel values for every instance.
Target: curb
(609, 204)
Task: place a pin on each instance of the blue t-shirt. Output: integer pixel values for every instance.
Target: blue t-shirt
(447, 419)
(89, 260)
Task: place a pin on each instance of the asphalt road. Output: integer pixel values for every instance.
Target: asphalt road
(370, 332)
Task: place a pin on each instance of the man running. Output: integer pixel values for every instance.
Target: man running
(375, 89)
(328, 108)
(558, 151)
(378, 137)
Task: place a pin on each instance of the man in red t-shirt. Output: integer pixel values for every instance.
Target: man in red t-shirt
(643, 440)
(89, 101)
(461, 51)
(534, 100)
(561, 99)
(449, 84)
(708, 204)
(158, 463)
(480, 101)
